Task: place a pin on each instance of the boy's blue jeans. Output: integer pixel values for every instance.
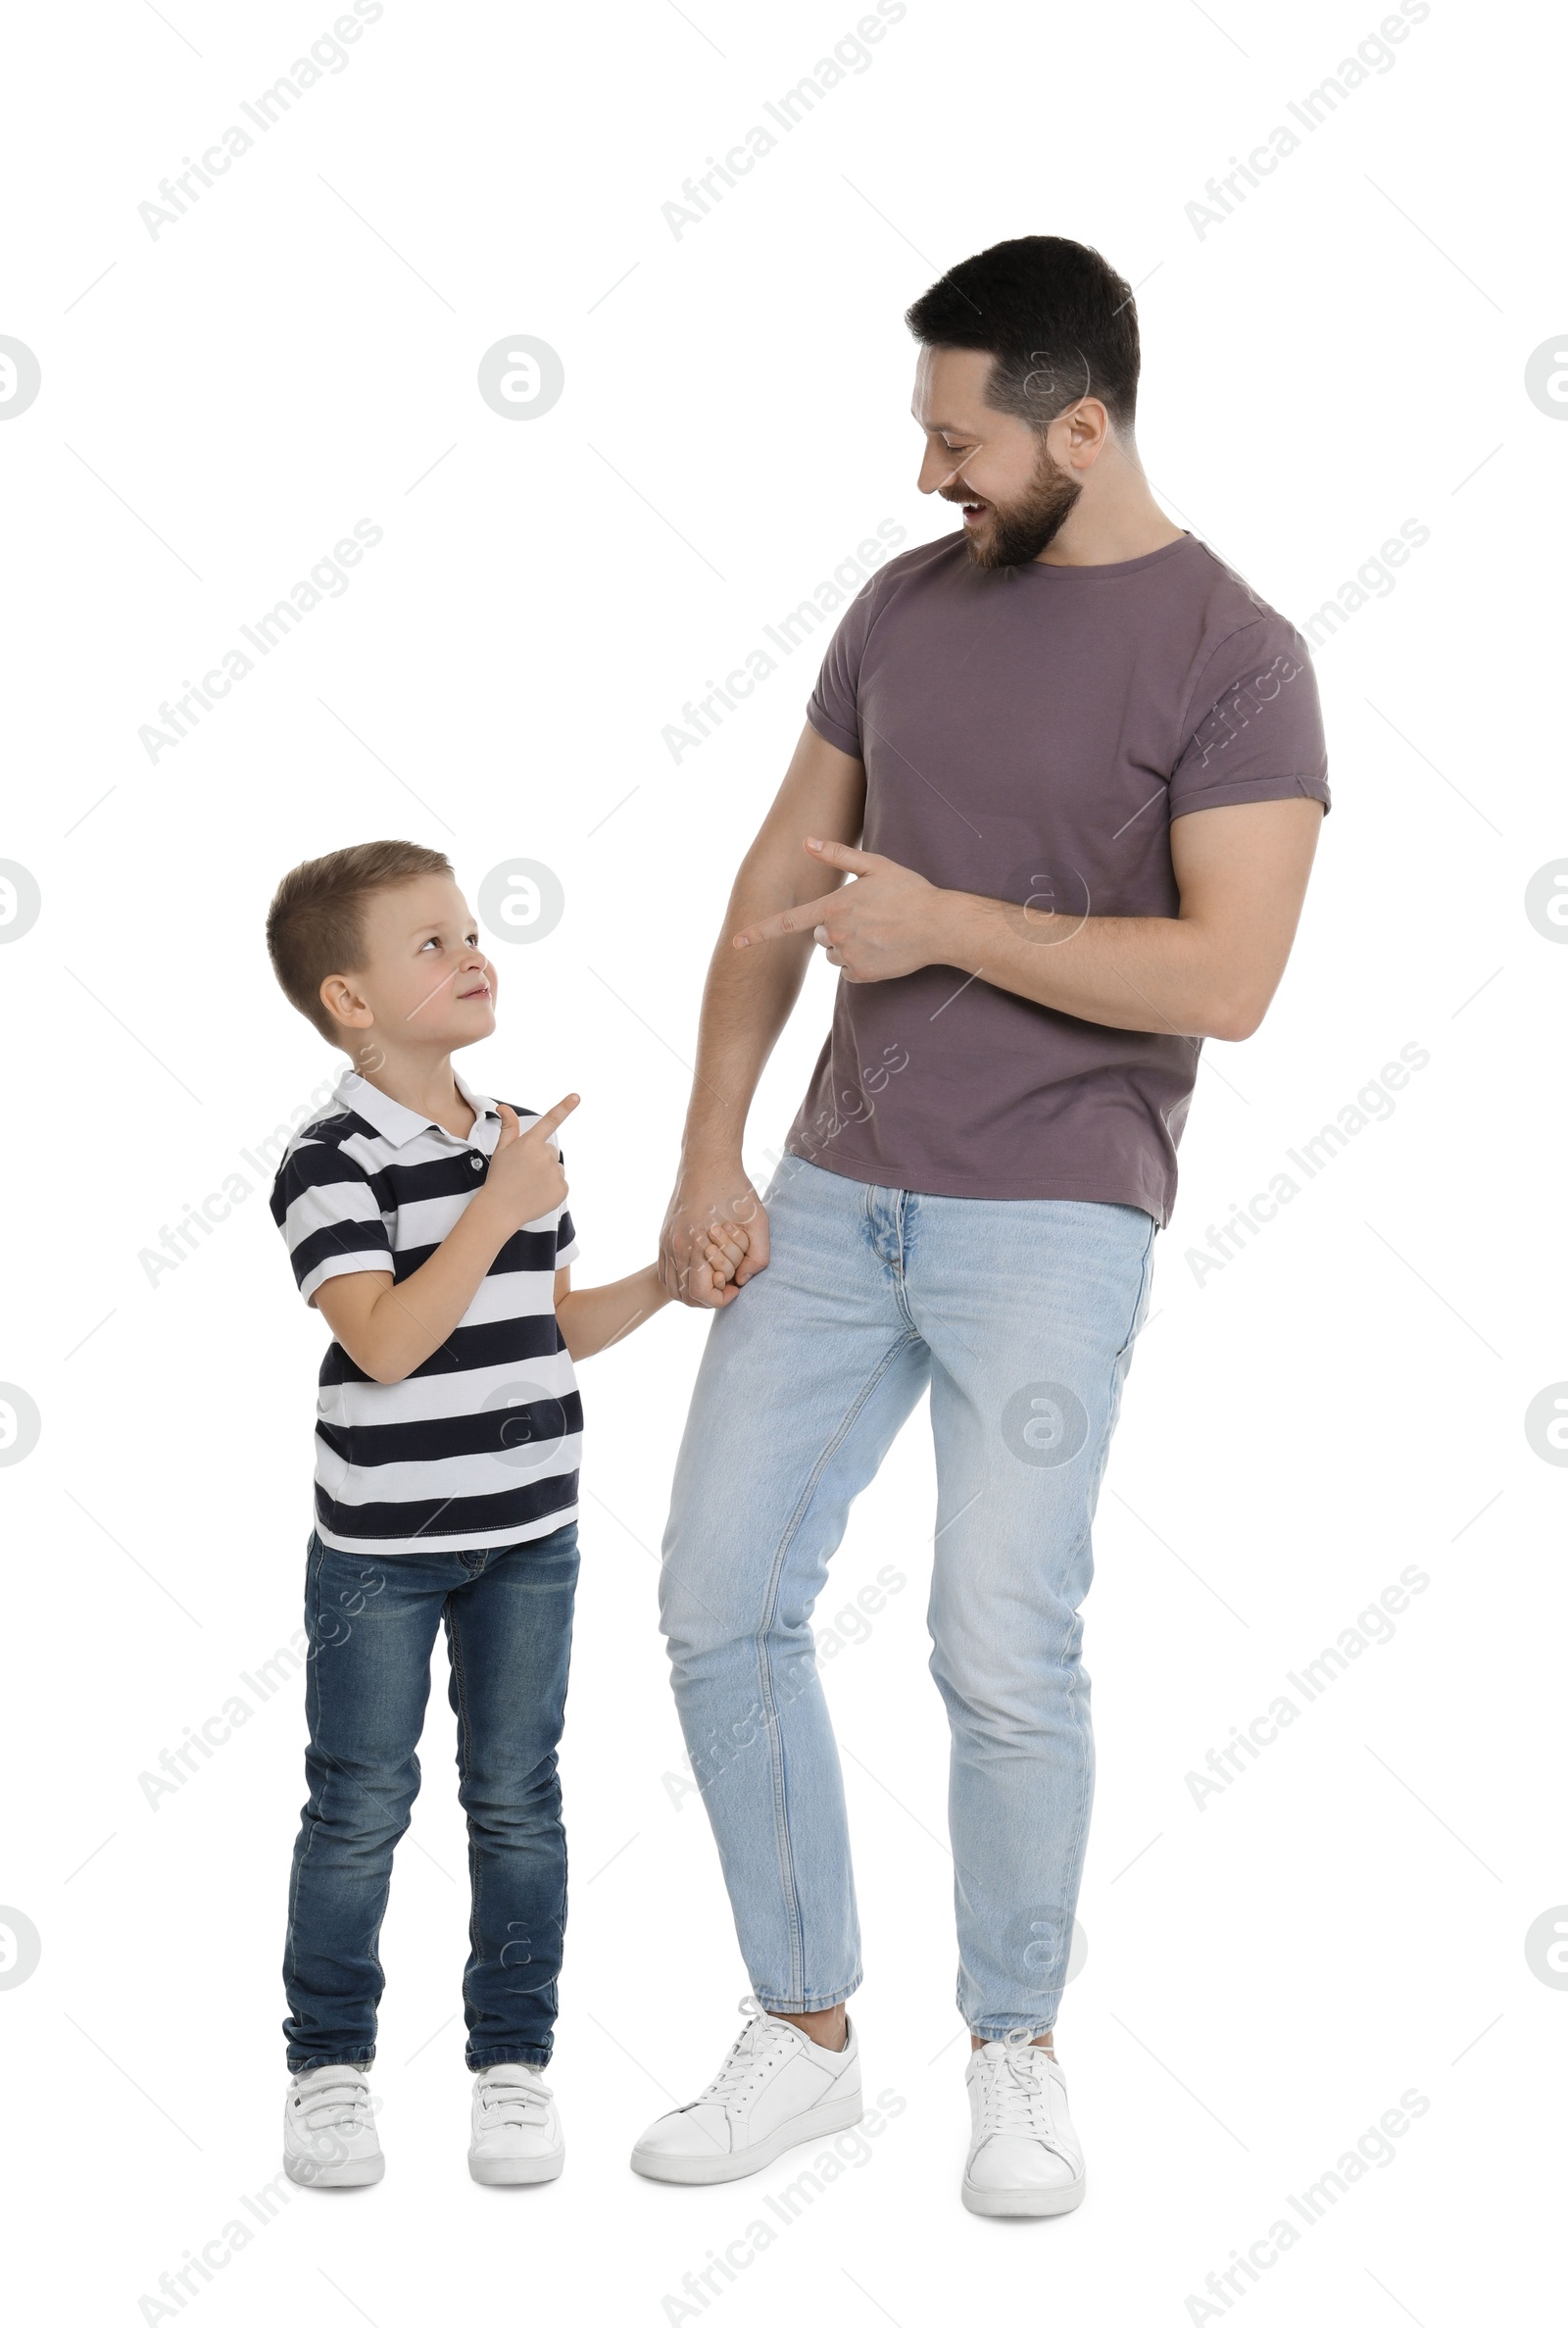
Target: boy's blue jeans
(372, 1624)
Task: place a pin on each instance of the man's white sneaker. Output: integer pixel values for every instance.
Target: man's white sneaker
(775, 2089)
(1024, 2158)
(516, 2127)
(329, 2136)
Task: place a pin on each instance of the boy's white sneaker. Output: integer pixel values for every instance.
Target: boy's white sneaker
(1024, 2158)
(775, 2089)
(329, 2136)
(516, 2127)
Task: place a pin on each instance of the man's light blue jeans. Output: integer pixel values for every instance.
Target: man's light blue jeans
(1021, 1318)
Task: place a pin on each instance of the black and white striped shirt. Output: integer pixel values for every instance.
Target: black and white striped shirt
(479, 1445)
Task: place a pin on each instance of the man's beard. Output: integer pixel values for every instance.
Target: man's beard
(1017, 533)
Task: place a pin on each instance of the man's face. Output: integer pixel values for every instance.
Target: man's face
(997, 469)
(426, 982)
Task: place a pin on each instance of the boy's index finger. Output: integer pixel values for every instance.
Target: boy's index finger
(547, 1122)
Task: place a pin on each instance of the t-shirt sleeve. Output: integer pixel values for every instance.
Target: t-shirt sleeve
(331, 1221)
(565, 1233)
(834, 707)
(1254, 728)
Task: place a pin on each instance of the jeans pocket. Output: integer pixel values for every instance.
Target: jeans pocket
(1146, 1281)
(315, 1556)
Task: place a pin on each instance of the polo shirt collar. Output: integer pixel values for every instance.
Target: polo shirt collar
(399, 1125)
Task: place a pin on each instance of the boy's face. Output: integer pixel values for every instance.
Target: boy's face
(426, 984)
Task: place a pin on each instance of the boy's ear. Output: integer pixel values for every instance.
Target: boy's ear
(343, 1003)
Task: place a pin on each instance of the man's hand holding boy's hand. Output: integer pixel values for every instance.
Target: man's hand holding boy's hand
(706, 1253)
(525, 1181)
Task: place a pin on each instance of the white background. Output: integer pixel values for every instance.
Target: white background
(1266, 1976)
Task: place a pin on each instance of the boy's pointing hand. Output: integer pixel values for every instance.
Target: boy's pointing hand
(525, 1178)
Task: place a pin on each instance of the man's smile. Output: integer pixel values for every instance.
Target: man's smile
(972, 507)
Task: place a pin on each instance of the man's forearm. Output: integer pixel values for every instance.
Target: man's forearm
(1154, 975)
(746, 1002)
(750, 991)
(1209, 969)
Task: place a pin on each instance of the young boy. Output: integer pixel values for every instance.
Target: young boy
(429, 1227)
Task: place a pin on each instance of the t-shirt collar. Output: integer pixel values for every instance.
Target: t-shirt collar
(399, 1125)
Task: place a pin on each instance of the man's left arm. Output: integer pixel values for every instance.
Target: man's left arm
(1210, 969)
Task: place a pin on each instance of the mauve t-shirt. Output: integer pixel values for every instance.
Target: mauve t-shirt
(1029, 733)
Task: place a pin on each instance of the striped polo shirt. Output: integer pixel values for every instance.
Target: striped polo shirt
(479, 1446)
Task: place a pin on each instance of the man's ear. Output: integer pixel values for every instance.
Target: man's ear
(1077, 438)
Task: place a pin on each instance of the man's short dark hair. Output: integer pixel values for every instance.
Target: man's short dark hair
(1059, 322)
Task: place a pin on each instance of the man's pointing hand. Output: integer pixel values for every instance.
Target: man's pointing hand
(886, 922)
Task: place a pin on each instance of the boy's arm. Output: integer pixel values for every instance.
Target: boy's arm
(596, 1315)
(389, 1330)
(592, 1317)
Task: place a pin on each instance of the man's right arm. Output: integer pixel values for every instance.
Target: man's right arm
(749, 995)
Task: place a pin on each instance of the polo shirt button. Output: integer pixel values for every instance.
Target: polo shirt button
(477, 1163)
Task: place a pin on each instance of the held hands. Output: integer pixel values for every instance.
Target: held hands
(887, 922)
(525, 1181)
(706, 1254)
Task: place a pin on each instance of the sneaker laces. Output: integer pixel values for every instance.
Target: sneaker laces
(508, 2099)
(1017, 2094)
(747, 2055)
(337, 2104)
